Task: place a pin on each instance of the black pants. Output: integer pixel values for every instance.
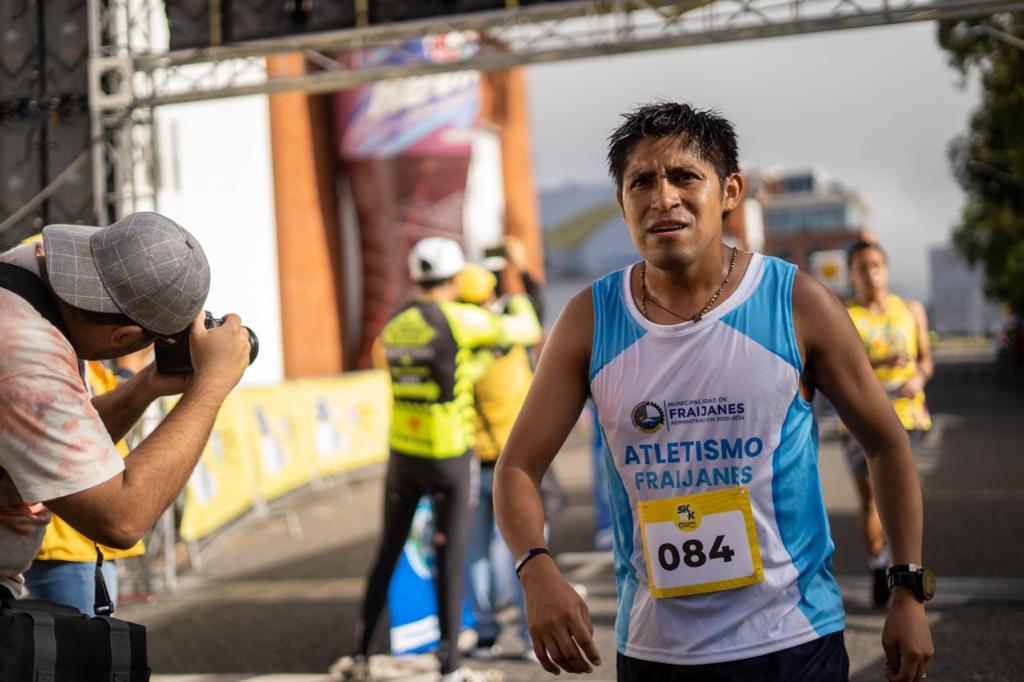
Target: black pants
(5, 593)
(823, 660)
(409, 479)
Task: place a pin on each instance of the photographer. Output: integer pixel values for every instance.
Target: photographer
(107, 292)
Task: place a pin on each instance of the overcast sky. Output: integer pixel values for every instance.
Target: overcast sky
(875, 108)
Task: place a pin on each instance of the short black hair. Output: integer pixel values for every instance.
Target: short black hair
(863, 245)
(705, 131)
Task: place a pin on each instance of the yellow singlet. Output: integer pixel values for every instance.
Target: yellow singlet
(886, 334)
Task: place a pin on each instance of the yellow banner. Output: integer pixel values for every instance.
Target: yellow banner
(281, 440)
(350, 417)
(270, 440)
(221, 486)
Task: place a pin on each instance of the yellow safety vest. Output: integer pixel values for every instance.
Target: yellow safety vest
(500, 395)
(432, 358)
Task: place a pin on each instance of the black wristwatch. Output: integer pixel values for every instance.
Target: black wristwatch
(919, 580)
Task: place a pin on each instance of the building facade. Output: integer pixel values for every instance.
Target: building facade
(959, 306)
(806, 211)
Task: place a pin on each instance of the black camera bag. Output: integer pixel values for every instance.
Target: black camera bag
(45, 642)
(42, 641)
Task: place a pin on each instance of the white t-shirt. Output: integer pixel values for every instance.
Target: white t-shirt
(52, 441)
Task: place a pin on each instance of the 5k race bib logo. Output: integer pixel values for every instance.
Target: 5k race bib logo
(648, 417)
(687, 517)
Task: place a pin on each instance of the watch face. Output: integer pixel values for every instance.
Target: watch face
(927, 584)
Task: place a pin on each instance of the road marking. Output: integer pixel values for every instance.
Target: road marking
(587, 565)
(929, 452)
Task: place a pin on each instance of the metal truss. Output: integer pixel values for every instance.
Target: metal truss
(527, 35)
(131, 70)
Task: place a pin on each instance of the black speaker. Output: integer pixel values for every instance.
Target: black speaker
(189, 22)
(467, 6)
(386, 11)
(20, 49)
(327, 15)
(21, 166)
(66, 47)
(255, 19)
(67, 136)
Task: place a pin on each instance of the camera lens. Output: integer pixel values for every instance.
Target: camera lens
(254, 345)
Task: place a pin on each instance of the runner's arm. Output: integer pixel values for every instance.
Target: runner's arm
(474, 326)
(836, 364)
(559, 621)
(520, 326)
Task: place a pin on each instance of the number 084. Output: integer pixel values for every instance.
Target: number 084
(692, 553)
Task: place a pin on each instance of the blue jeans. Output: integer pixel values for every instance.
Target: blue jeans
(69, 582)
(490, 568)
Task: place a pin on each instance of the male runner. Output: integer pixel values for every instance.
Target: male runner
(894, 332)
(702, 361)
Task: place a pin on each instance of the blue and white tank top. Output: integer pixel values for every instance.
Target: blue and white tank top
(698, 407)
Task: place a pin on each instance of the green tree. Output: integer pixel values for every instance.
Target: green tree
(988, 159)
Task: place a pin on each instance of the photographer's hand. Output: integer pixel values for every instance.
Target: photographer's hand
(119, 511)
(159, 385)
(121, 408)
(219, 355)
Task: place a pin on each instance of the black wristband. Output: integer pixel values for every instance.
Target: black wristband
(530, 553)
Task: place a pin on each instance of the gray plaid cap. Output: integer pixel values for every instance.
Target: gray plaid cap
(144, 265)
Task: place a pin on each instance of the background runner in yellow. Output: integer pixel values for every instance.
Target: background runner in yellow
(894, 332)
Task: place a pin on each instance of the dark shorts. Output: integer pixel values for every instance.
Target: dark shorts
(857, 460)
(5, 593)
(823, 660)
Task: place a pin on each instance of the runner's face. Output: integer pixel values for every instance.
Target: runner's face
(672, 202)
(870, 273)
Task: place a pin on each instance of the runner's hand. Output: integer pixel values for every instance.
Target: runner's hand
(914, 386)
(906, 639)
(558, 619)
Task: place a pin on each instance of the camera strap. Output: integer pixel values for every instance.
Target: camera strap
(103, 604)
(34, 290)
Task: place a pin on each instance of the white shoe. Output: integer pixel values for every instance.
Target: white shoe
(468, 640)
(465, 674)
(351, 668)
(485, 653)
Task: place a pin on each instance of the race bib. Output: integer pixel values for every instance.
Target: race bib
(700, 543)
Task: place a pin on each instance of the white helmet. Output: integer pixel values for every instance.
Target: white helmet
(434, 259)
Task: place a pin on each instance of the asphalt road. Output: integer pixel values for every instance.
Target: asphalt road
(273, 601)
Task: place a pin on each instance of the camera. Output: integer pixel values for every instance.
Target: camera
(173, 355)
(495, 258)
(498, 251)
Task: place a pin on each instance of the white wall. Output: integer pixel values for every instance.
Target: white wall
(216, 180)
(483, 213)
